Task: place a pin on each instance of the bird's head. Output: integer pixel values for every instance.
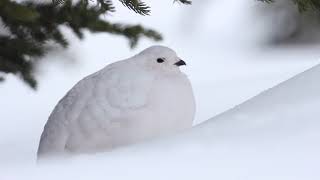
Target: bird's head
(160, 58)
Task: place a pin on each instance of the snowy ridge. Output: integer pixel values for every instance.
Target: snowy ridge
(274, 136)
(286, 105)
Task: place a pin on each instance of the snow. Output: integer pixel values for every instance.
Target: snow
(272, 136)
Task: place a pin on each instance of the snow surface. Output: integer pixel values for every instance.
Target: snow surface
(274, 135)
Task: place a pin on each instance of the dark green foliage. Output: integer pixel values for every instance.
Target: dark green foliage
(303, 5)
(15, 57)
(183, 1)
(137, 6)
(31, 26)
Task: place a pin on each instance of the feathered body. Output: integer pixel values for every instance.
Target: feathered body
(126, 102)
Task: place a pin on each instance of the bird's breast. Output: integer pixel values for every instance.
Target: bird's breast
(172, 103)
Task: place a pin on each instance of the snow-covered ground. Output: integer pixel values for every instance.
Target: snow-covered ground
(273, 136)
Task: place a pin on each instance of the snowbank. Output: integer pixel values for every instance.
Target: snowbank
(275, 135)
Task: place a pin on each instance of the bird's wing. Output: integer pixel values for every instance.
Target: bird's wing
(116, 87)
(55, 134)
(128, 88)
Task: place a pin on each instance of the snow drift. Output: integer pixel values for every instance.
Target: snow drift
(275, 135)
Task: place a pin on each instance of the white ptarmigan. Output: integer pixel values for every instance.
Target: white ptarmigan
(128, 101)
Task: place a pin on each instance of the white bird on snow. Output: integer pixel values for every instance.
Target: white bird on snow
(126, 102)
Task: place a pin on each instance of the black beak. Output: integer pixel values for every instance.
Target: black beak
(180, 63)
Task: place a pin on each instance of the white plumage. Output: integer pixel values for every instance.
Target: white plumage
(128, 101)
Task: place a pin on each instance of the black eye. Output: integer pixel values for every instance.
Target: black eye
(160, 60)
